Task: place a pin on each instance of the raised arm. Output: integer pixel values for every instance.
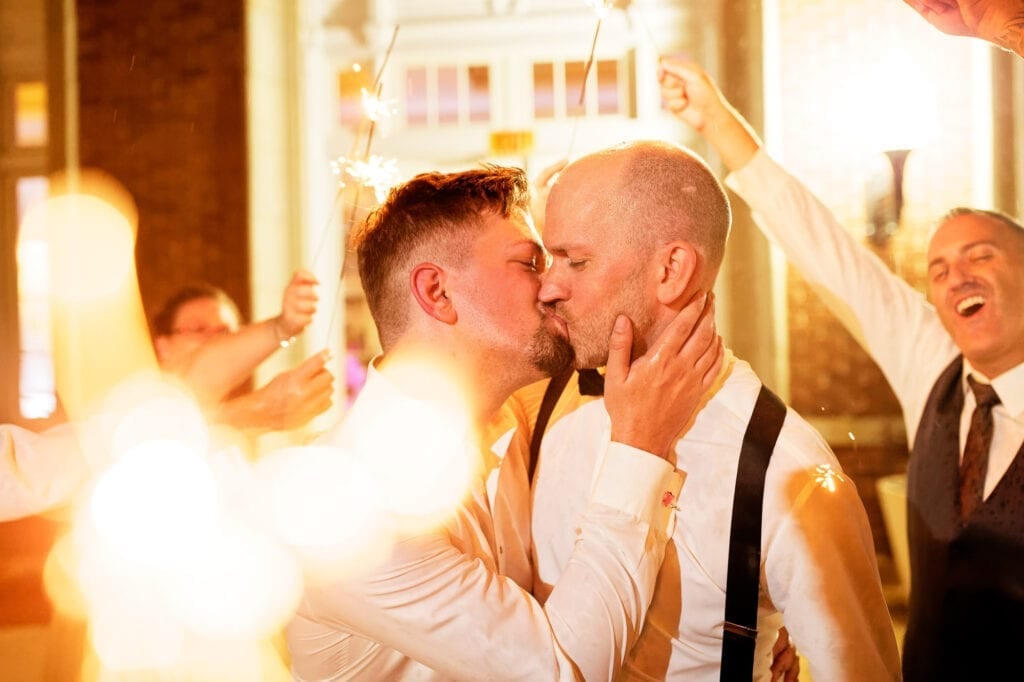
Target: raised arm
(222, 363)
(866, 296)
(290, 400)
(694, 98)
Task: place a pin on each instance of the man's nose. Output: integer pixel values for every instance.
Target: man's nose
(552, 288)
(959, 273)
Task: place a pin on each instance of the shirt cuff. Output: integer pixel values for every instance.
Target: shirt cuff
(759, 163)
(639, 484)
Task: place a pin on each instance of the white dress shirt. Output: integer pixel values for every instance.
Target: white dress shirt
(38, 470)
(441, 607)
(891, 320)
(818, 571)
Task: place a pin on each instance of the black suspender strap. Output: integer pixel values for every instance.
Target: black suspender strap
(547, 406)
(744, 576)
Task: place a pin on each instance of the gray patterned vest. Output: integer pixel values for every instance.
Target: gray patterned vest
(966, 616)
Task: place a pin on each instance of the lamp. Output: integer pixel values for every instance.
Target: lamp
(885, 198)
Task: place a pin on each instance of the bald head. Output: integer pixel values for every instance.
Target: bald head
(656, 192)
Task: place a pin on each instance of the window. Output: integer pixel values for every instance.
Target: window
(28, 391)
(607, 87)
(558, 86)
(37, 397)
(30, 121)
(479, 94)
(447, 95)
(574, 88)
(544, 90)
(416, 96)
(352, 82)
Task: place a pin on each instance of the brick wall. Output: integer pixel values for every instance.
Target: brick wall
(163, 111)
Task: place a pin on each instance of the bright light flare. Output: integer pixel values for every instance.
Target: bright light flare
(898, 114)
(377, 108)
(155, 410)
(601, 8)
(244, 587)
(157, 505)
(60, 579)
(322, 503)
(91, 245)
(423, 469)
(827, 477)
(33, 267)
(100, 335)
(127, 632)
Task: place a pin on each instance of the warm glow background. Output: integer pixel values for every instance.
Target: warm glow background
(220, 119)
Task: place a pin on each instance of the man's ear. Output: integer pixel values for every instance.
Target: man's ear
(428, 288)
(678, 262)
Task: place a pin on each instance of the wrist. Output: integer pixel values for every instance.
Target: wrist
(284, 339)
(639, 441)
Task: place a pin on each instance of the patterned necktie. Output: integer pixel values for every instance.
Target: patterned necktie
(979, 438)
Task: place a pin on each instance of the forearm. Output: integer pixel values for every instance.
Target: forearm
(249, 412)
(864, 294)
(449, 610)
(731, 136)
(223, 363)
(600, 601)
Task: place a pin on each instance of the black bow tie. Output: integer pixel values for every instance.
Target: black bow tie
(591, 382)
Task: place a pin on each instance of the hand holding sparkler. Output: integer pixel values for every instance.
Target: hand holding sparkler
(289, 401)
(693, 97)
(298, 305)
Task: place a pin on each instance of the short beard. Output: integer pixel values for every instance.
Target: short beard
(551, 353)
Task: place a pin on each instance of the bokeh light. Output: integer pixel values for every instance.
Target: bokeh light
(321, 502)
(245, 587)
(157, 504)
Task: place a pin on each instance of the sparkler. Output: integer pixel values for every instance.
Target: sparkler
(375, 172)
(601, 9)
(367, 170)
(374, 108)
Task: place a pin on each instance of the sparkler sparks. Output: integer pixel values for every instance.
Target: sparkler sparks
(377, 108)
(827, 477)
(376, 172)
(602, 8)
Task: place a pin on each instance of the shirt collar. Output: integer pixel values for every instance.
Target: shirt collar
(1009, 386)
